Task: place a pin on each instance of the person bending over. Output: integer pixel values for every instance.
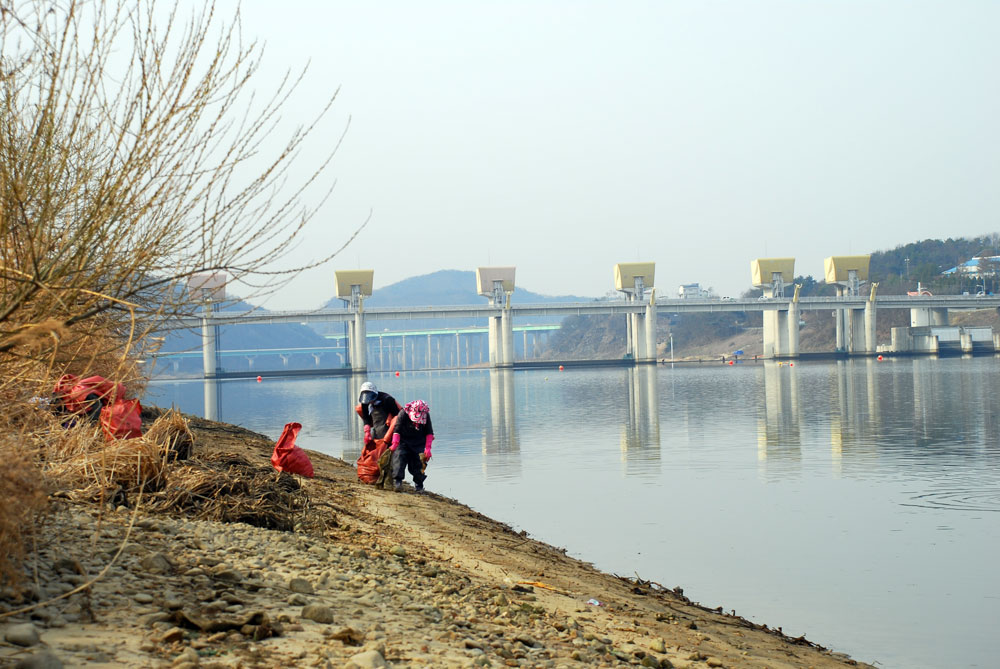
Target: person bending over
(411, 444)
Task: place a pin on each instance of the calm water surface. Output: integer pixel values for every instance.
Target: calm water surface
(855, 502)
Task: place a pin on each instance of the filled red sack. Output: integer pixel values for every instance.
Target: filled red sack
(122, 420)
(288, 457)
(80, 395)
(368, 469)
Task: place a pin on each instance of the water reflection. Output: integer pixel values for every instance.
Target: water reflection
(640, 435)
(352, 425)
(855, 424)
(906, 413)
(501, 445)
(213, 399)
(779, 437)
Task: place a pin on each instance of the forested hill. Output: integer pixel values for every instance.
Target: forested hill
(930, 257)
(899, 270)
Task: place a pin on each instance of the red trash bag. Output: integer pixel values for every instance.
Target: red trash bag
(288, 457)
(368, 469)
(122, 420)
(80, 396)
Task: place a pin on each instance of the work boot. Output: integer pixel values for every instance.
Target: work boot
(418, 488)
(397, 486)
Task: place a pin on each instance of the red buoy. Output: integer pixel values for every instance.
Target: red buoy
(560, 368)
(880, 358)
(259, 379)
(397, 373)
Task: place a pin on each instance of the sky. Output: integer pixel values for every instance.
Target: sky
(565, 137)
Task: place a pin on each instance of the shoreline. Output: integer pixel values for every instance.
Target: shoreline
(367, 578)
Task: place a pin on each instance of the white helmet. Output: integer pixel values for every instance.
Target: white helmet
(368, 392)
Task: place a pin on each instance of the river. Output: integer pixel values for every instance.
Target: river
(855, 502)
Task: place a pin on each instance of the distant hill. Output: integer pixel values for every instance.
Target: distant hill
(444, 287)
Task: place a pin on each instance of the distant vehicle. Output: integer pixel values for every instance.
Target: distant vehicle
(918, 293)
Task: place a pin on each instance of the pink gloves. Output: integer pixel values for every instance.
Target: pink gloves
(368, 433)
(427, 447)
(395, 442)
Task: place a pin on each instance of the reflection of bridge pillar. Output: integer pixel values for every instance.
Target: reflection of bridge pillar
(316, 357)
(641, 433)
(211, 399)
(284, 359)
(501, 446)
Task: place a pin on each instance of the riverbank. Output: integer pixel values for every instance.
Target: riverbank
(366, 578)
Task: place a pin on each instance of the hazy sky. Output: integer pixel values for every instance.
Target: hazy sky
(565, 137)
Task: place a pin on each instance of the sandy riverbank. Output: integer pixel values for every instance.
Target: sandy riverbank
(368, 578)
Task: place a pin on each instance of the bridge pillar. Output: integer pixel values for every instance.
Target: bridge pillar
(871, 342)
(839, 317)
(856, 331)
(781, 332)
(494, 340)
(359, 344)
(209, 335)
(792, 324)
(642, 328)
(507, 339)
(926, 317)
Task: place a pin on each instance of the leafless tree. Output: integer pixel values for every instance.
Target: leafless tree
(131, 146)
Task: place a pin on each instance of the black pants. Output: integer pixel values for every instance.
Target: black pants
(402, 459)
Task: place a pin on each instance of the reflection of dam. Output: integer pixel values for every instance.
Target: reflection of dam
(853, 411)
(855, 422)
(778, 432)
(640, 439)
(501, 447)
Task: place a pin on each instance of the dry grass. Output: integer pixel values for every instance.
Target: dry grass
(226, 487)
(23, 493)
(172, 434)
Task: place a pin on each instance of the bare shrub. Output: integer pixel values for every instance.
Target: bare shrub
(132, 157)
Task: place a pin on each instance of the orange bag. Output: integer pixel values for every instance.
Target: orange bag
(288, 457)
(122, 420)
(368, 469)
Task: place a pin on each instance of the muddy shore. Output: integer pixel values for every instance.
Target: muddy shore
(364, 578)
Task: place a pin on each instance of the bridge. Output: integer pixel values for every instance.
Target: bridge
(855, 312)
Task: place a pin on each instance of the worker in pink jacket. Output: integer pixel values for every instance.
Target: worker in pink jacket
(411, 444)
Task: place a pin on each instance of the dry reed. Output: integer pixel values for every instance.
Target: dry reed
(225, 487)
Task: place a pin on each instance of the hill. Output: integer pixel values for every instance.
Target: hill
(442, 288)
